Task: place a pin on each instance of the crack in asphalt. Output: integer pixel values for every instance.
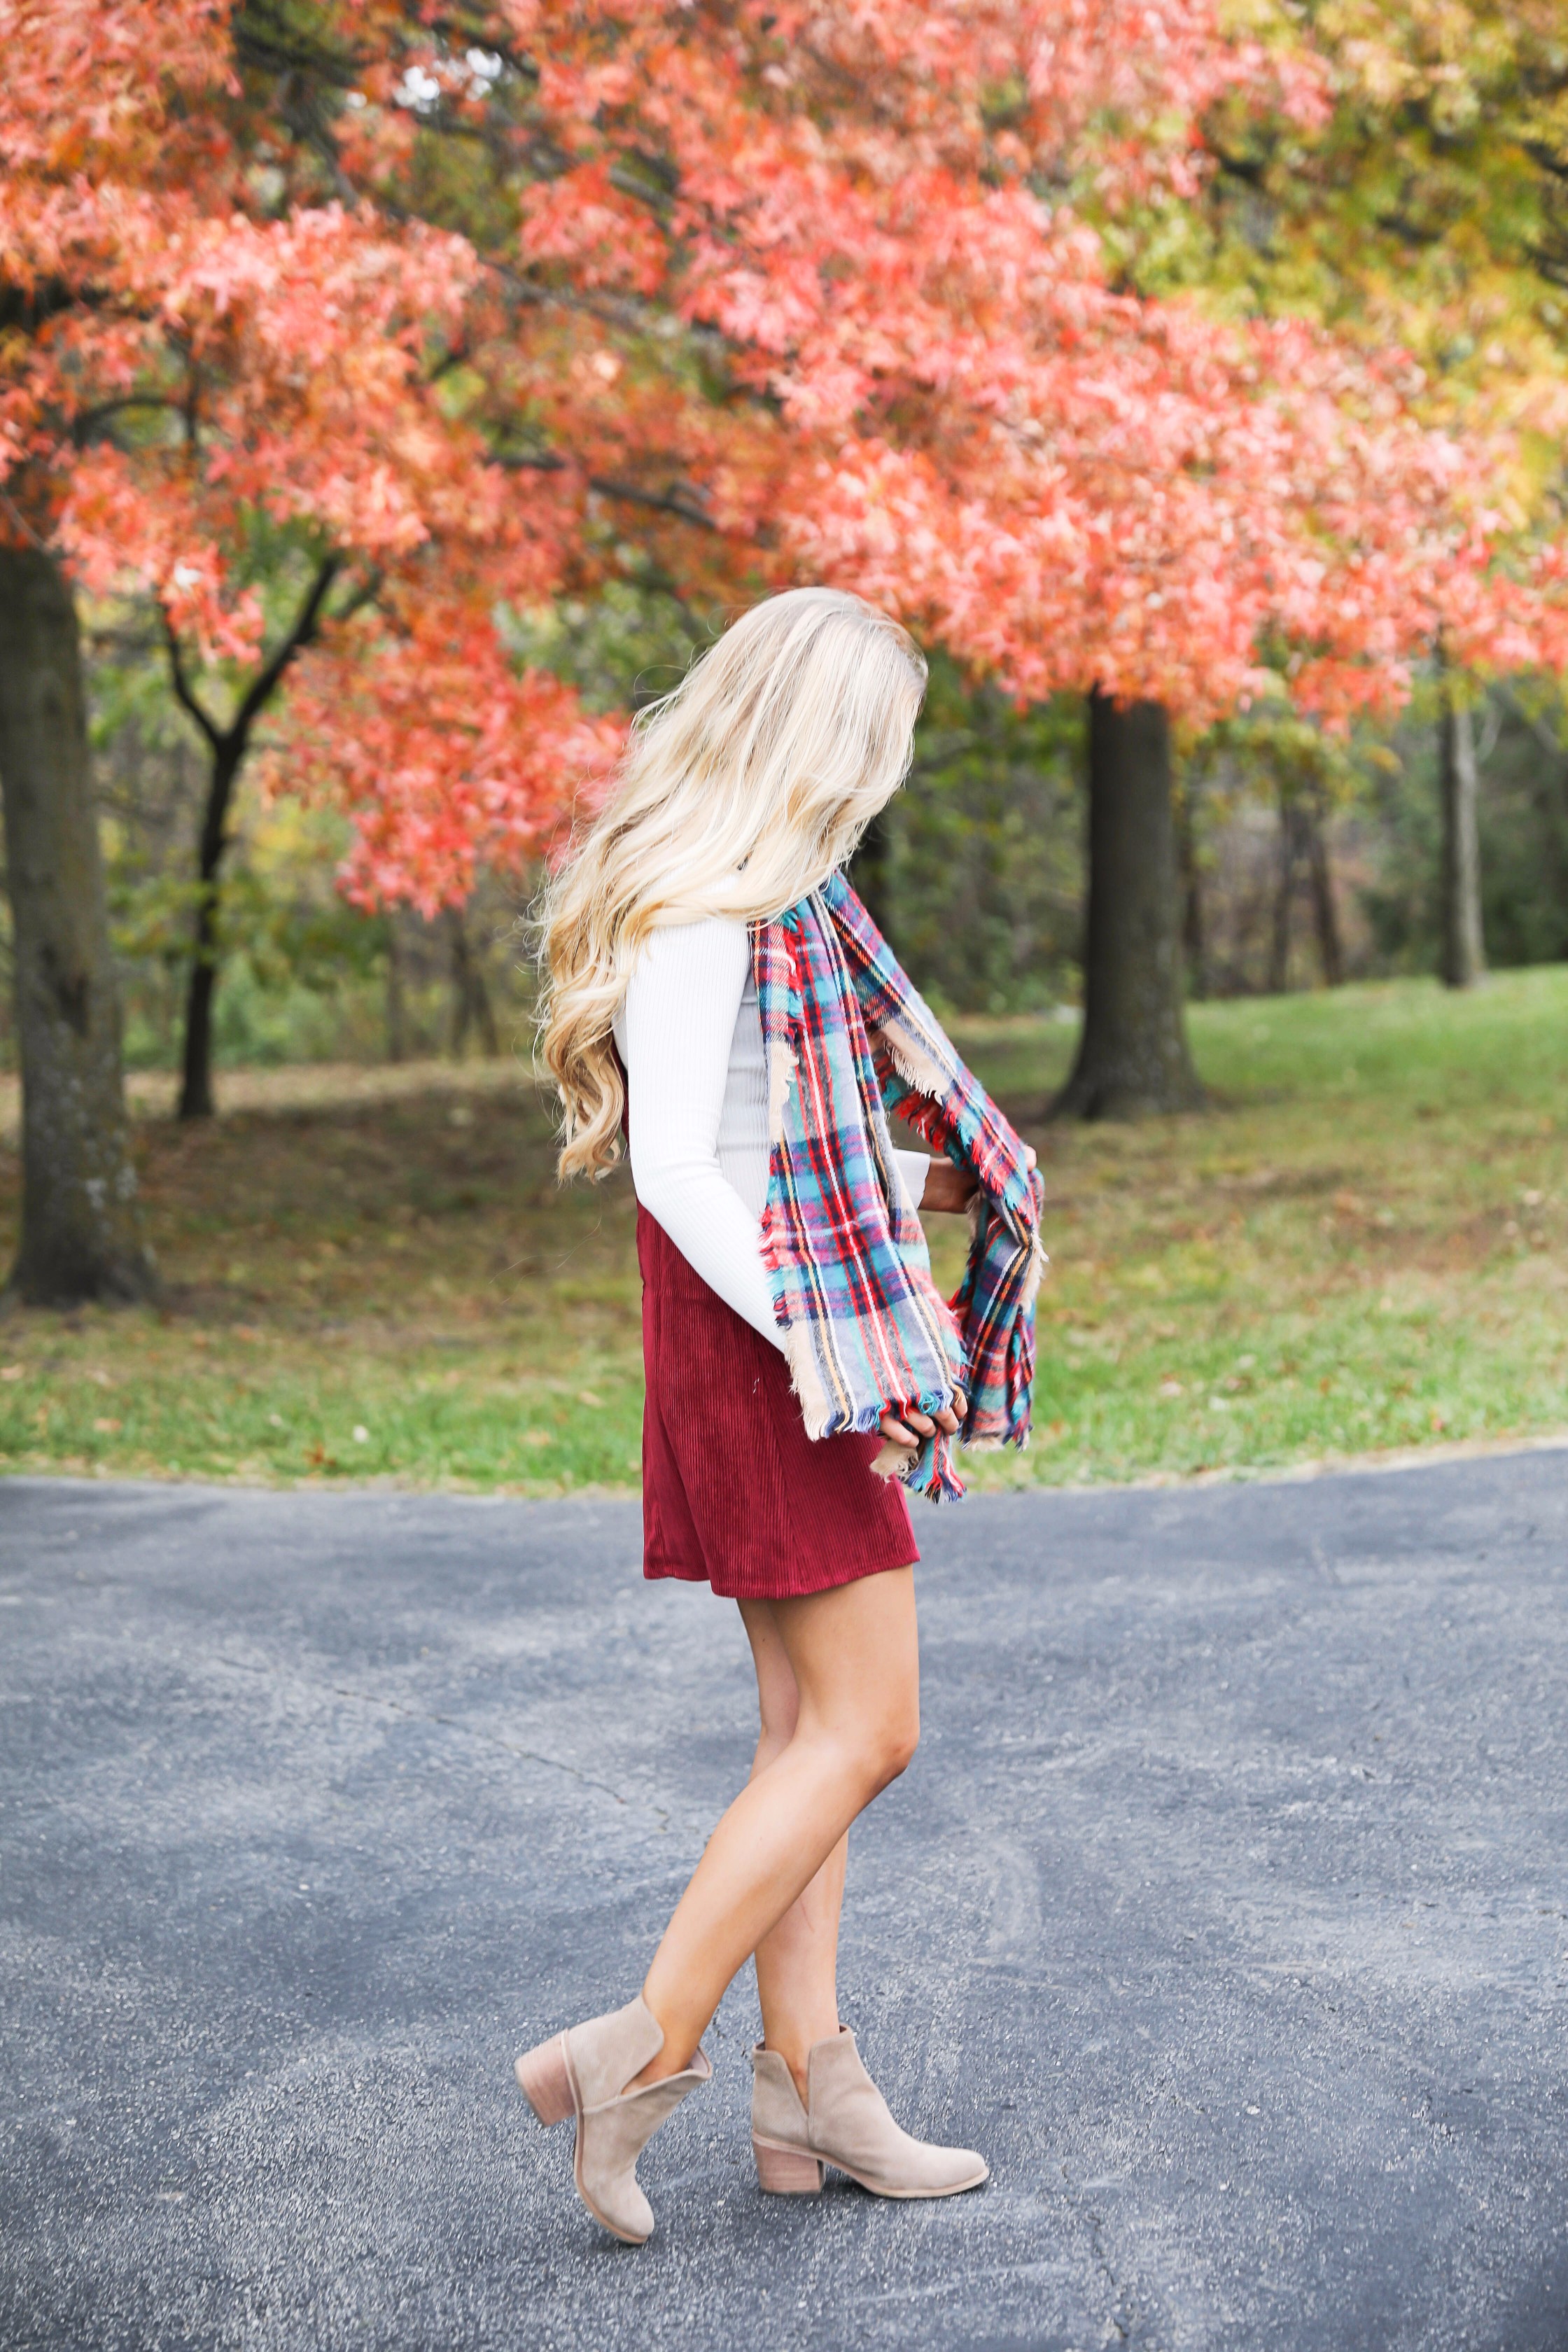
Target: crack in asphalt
(1124, 2324)
(482, 1738)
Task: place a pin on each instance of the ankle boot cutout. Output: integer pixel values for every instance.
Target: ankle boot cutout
(844, 2122)
(584, 2073)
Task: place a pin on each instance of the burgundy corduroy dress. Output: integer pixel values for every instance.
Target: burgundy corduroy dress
(735, 1494)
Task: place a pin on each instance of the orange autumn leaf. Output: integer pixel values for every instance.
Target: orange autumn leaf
(746, 294)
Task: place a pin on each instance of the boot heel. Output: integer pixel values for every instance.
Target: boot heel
(544, 2079)
(785, 2172)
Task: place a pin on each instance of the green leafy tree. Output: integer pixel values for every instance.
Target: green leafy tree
(1427, 210)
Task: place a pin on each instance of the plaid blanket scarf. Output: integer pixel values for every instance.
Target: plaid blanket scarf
(848, 1040)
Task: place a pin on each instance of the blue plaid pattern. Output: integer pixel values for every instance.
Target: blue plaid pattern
(847, 1039)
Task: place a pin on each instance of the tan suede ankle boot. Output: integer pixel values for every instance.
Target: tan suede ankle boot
(584, 2073)
(844, 2122)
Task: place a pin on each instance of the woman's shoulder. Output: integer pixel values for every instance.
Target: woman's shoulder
(715, 947)
(686, 935)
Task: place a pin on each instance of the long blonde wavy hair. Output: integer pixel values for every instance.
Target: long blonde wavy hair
(739, 792)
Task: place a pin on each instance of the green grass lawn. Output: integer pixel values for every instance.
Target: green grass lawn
(1362, 1246)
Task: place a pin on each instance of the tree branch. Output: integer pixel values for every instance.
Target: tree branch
(608, 486)
(264, 685)
(1253, 170)
(263, 37)
(1550, 161)
(306, 620)
(182, 686)
(465, 32)
(87, 419)
(303, 119)
(365, 594)
(1538, 726)
(661, 502)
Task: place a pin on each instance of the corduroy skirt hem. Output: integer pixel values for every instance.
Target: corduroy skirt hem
(735, 1494)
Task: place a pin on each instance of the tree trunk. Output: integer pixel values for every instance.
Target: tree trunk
(470, 997)
(1550, 795)
(1325, 912)
(1132, 1057)
(1193, 944)
(81, 1235)
(1284, 891)
(1464, 956)
(396, 1012)
(871, 870)
(229, 746)
(196, 1071)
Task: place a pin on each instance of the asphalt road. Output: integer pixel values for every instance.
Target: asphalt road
(1225, 1906)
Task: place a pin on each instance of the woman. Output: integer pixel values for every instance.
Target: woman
(715, 988)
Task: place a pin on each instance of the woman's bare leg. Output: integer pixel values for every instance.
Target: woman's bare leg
(797, 1960)
(855, 1658)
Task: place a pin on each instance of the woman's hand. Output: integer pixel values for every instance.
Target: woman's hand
(950, 1188)
(947, 1187)
(914, 1428)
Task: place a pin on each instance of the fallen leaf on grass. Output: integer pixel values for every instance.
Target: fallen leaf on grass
(1169, 1387)
(12, 1371)
(106, 1428)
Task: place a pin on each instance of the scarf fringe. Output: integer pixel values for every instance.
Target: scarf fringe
(920, 1072)
(783, 1068)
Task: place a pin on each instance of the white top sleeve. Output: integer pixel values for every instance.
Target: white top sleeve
(678, 1021)
(679, 1038)
(913, 1166)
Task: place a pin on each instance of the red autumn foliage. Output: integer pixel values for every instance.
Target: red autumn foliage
(787, 291)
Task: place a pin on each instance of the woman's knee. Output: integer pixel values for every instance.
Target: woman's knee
(883, 1745)
(898, 1739)
(856, 1663)
(884, 1731)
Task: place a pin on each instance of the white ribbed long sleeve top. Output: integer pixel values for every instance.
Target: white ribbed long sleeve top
(691, 1038)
